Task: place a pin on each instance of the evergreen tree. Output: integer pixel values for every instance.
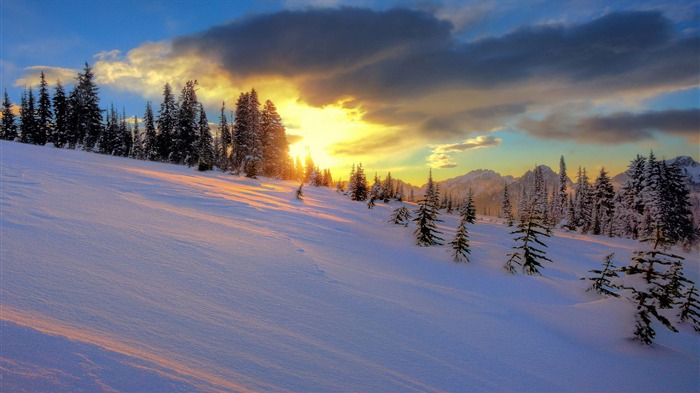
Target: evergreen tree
(9, 125)
(460, 244)
(561, 194)
(28, 122)
(204, 148)
(675, 204)
(583, 205)
(426, 217)
(150, 142)
(629, 207)
(603, 204)
(85, 110)
(468, 210)
(109, 137)
(185, 146)
(506, 208)
(690, 308)
(224, 140)
(651, 196)
(601, 282)
(44, 114)
(247, 155)
(538, 195)
(527, 253)
(662, 279)
(167, 123)
(400, 216)
(358, 188)
(137, 150)
(274, 141)
(59, 136)
(125, 137)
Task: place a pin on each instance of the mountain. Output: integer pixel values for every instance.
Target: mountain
(135, 276)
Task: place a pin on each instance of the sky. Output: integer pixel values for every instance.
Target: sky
(400, 86)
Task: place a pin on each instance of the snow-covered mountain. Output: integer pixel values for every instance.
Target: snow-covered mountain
(125, 275)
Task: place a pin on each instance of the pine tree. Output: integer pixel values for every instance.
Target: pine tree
(468, 210)
(205, 146)
(85, 111)
(359, 189)
(59, 137)
(247, 155)
(662, 277)
(274, 141)
(137, 151)
(44, 114)
(387, 191)
(629, 207)
(690, 308)
(185, 139)
(9, 125)
(400, 216)
(109, 136)
(538, 194)
(28, 122)
(150, 142)
(603, 204)
(506, 208)
(426, 217)
(583, 205)
(167, 123)
(601, 282)
(561, 194)
(651, 196)
(224, 140)
(527, 253)
(675, 201)
(125, 136)
(460, 244)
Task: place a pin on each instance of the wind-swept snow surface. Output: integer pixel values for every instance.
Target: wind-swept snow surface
(138, 276)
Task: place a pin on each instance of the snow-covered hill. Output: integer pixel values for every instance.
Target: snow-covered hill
(144, 277)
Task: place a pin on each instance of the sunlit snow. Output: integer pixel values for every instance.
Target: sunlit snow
(123, 275)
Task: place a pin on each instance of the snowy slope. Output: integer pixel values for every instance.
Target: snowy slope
(135, 276)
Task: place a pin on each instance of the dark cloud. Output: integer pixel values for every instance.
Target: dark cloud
(387, 61)
(317, 41)
(617, 128)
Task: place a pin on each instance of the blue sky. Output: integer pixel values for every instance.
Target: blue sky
(399, 85)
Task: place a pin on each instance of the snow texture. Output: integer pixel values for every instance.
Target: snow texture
(125, 275)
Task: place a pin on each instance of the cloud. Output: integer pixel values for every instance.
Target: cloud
(617, 128)
(293, 138)
(32, 76)
(440, 159)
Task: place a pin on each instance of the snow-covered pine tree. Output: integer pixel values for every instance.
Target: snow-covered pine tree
(387, 191)
(583, 204)
(85, 110)
(224, 140)
(651, 196)
(108, 137)
(247, 154)
(523, 203)
(375, 192)
(460, 244)
(137, 151)
(690, 308)
(629, 207)
(150, 142)
(166, 123)
(603, 204)
(274, 141)
(360, 188)
(185, 139)
(561, 194)
(468, 210)
(205, 148)
(59, 136)
(658, 286)
(506, 207)
(400, 216)
(44, 113)
(426, 216)
(528, 254)
(9, 124)
(676, 213)
(538, 194)
(601, 281)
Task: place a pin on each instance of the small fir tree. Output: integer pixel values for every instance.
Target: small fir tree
(9, 124)
(527, 253)
(59, 136)
(426, 217)
(400, 216)
(506, 207)
(601, 281)
(460, 244)
(468, 210)
(205, 144)
(690, 308)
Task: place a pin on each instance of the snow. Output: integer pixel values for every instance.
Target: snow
(124, 275)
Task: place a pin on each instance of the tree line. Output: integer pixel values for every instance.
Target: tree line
(251, 142)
